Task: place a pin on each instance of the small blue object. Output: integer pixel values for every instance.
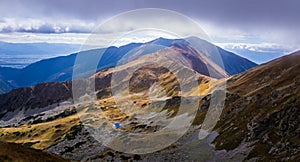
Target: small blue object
(117, 125)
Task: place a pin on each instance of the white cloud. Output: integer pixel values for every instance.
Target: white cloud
(77, 32)
(102, 40)
(37, 37)
(263, 40)
(257, 47)
(8, 25)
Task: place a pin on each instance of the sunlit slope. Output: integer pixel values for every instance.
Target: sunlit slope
(149, 84)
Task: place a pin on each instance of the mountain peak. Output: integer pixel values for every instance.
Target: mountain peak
(161, 41)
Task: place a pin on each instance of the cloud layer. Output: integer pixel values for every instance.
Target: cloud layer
(229, 21)
(242, 13)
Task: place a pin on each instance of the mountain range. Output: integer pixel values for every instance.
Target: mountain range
(260, 120)
(61, 68)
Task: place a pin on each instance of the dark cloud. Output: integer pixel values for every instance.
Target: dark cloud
(254, 12)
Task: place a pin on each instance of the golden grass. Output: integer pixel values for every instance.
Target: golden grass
(42, 135)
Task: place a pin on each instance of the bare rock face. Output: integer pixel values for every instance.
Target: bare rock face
(39, 96)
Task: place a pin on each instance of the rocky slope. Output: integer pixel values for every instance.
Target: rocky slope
(264, 110)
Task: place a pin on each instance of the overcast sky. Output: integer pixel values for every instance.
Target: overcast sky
(253, 24)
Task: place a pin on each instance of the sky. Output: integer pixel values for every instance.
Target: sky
(252, 25)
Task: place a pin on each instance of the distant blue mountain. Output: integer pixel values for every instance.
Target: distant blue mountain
(37, 48)
(4, 86)
(61, 68)
(19, 55)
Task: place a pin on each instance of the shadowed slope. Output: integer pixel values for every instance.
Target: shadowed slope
(11, 152)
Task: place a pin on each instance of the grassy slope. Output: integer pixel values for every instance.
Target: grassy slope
(42, 135)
